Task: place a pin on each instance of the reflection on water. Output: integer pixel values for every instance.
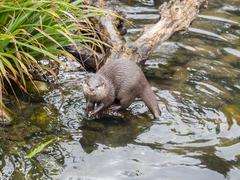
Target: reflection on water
(196, 79)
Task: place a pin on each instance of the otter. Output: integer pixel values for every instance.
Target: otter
(118, 81)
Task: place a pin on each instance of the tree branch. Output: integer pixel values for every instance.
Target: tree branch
(176, 15)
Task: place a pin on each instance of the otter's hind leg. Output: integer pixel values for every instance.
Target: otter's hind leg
(150, 100)
(125, 102)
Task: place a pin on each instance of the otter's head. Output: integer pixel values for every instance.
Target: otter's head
(95, 87)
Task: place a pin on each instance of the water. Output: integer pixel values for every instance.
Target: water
(196, 78)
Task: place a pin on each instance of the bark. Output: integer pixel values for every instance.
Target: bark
(176, 15)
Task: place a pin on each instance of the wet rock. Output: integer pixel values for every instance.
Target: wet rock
(45, 75)
(18, 175)
(163, 72)
(214, 90)
(233, 52)
(184, 88)
(231, 9)
(181, 74)
(37, 87)
(232, 56)
(209, 102)
(210, 94)
(206, 93)
(230, 59)
(192, 41)
(213, 69)
(5, 117)
(18, 132)
(43, 116)
(202, 49)
(207, 51)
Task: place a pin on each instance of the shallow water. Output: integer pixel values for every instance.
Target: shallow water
(196, 80)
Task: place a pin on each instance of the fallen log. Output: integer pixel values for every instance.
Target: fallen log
(176, 15)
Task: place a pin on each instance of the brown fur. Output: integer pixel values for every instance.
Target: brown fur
(120, 80)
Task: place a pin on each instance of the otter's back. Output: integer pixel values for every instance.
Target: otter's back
(124, 75)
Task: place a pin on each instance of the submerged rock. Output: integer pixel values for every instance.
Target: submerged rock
(213, 69)
(43, 116)
(181, 74)
(18, 132)
(37, 87)
(214, 90)
(231, 9)
(230, 59)
(199, 48)
(211, 94)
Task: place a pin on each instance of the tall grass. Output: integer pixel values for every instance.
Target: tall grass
(32, 29)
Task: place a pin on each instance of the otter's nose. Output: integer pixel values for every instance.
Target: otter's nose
(91, 89)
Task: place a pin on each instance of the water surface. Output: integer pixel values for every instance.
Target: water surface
(196, 80)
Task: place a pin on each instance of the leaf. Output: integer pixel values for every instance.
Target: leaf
(33, 29)
(6, 36)
(40, 147)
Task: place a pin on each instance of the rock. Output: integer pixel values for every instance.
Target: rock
(199, 48)
(18, 175)
(210, 94)
(19, 132)
(5, 117)
(231, 56)
(37, 87)
(162, 72)
(213, 69)
(214, 90)
(181, 74)
(47, 73)
(230, 59)
(205, 93)
(43, 116)
(231, 9)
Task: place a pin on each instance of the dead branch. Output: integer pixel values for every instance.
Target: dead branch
(176, 15)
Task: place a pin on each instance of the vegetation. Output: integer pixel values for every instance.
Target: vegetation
(32, 29)
(39, 148)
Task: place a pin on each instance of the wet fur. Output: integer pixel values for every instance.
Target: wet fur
(123, 81)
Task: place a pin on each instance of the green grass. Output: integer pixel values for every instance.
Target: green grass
(39, 148)
(33, 29)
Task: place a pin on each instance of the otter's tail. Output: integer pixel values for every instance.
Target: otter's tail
(150, 100)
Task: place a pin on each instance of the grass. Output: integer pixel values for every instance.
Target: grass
(39, 148)
(35, 29)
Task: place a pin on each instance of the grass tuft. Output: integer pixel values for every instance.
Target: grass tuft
(35, 29)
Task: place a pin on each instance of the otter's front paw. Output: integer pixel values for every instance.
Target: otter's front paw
(92, 114)
(115, 108)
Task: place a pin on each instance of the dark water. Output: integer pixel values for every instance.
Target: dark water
(197, 82)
